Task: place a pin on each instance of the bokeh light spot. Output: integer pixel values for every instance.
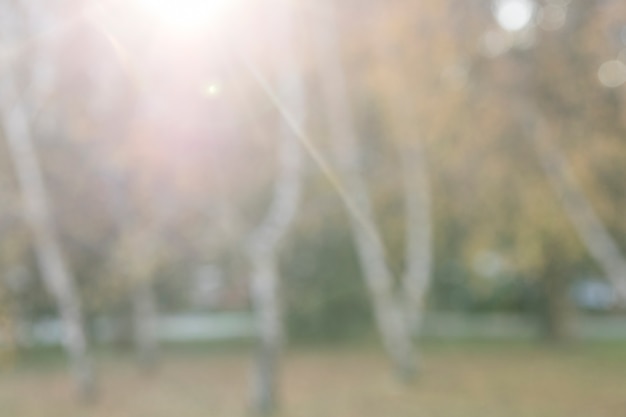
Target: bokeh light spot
(612, 73)
(553, 17)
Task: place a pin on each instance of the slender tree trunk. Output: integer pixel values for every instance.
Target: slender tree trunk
(53, 269)
(145, 324)
(262, 252)
(9, 320)
(404, 130)
(555, 309)
(379, 279)
(141, 272)
(263, 244)
(418, 257)
(580, 212)
(265, 294)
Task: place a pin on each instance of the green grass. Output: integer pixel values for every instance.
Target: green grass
(469, 379)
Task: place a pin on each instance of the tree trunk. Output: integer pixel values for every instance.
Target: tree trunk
(404, 129)
(580, 212)
(53, 269)
(9, 324)
(556, 310)
(145, 324)
(263, 244)
(265, 294)
(418, 257)
(379, 279)
(262, 250)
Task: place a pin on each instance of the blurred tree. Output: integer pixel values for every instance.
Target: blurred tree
(263, 243)
(590, 228)
(392, 323)
(557, 112)
(16, 123)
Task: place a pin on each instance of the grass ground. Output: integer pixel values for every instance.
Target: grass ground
(458, 380)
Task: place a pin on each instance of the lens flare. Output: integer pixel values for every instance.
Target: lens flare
(187, 16)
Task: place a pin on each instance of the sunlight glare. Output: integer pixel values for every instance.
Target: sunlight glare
(514, 15)
(186, 16)
(212, 89)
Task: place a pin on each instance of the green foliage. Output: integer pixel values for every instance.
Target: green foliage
(325, 295)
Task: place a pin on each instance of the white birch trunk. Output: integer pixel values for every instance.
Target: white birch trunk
(145, 324)
(9, 324)
(389, 315)
(146, 258)
(265, 298)
(144, 303)
(54, 271)
(417, 194)
(263, 244)
(581, 213)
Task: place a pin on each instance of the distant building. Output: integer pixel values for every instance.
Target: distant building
(594, 294)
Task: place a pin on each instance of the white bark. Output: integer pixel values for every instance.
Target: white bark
(417, 194)
(145, 324)
(54, 271)
(143, 299)
(580, 212)
(379, 279)
(263, 244)
(265, 298)
(8, 327)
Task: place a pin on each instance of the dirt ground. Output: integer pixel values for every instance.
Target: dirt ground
(457, 380)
